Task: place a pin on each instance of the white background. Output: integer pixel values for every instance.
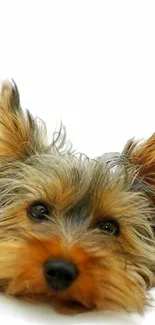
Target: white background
(91, 64)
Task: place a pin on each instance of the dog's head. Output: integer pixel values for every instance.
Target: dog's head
(73, 231)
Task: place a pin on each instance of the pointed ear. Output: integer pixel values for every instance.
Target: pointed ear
(141, 154)
(20, 135)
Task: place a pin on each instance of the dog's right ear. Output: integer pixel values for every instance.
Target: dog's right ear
(20, 135)
(141, 154)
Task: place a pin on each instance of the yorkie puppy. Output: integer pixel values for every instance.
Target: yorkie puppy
(75, 232)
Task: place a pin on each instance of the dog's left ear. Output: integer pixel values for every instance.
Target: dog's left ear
(141, 154)
(20, 135)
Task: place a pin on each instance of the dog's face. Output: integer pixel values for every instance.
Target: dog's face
(73, 231)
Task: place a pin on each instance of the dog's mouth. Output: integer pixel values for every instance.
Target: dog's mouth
(69, 306)
(76, 304)
(60, 305)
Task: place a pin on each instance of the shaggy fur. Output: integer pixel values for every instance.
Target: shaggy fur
(115, 270)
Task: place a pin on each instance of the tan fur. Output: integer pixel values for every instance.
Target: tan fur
(114, 271)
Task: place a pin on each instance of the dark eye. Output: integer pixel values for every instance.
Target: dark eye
(38, 212)
(109, 227)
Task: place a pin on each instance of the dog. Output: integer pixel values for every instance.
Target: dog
(75, 232)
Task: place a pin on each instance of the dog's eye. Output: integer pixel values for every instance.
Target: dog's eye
(109, 227)
(38, 212)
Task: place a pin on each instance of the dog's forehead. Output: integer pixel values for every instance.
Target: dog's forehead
(73, 171)
(66, 179)
(83, 174)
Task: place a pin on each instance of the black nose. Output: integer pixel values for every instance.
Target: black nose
(60, 274)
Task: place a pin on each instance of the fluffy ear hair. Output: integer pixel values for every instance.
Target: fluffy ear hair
(141, 154)
(20, 135)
